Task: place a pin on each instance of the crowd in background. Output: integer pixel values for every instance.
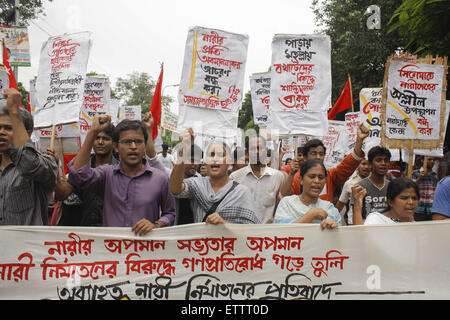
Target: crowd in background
(118, 180)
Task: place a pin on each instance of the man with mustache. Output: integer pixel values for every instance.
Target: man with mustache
(263, 181)
(27, 177)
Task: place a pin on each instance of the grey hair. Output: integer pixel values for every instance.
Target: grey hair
(26, 116)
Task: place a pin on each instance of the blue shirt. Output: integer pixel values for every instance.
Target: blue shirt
(441, 202)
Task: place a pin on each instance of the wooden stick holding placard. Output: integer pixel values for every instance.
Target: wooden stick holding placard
(411, 158)
(61, 154)
(413, 143)
(52, 140)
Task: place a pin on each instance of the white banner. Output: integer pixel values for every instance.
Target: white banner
(169, 120)
(352, 122)
(130, 113)
(114, 107)
(300, 90)
(413, 106)
(204, 262)
(17, 41)
(336, 142)
(70, 130)
(369, 115)
(61, 79)
(4, 84)
(260, 92)
(213, 69)
(97, 93)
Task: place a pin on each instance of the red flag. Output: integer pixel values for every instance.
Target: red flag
(12, 79)
(344, 102)
(155, 107)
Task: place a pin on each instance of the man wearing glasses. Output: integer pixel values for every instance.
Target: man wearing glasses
(134, 191)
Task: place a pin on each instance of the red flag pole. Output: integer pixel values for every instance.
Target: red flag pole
(351, 91)
(155, 107)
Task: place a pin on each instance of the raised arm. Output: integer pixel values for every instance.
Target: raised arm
(287, 184)
(147, 120)
(358, 195)
(21, 135)
(29, 162)
(176, 183)
(362, 133)
(100, 123)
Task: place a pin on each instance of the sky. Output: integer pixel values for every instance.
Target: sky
(136, 35)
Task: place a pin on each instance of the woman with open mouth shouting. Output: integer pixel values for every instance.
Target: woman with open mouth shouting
(308, 207)
(402, 201)
(216, 199)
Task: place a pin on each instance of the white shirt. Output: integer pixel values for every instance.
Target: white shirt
(378, 218)
(166, 161)
(292, 208)
(264, 189)
(346, 193)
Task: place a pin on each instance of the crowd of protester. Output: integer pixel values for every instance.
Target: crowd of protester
(118, 180)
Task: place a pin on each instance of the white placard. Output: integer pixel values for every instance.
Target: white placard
(413, 105)
(61, 79)
(213, 69)
(300, 90)
(260, 92)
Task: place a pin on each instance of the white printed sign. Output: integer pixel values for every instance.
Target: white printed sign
(413, 105)
(336, 142)
(130, 113)
(300, 91)
(225, 262)
(61, 79)
(369, 115)
(260, 92)
(213, 69)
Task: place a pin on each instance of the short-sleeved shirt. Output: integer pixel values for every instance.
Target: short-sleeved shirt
(166, 161)
(346, 193)
(427, 188)
(264, 189)
(292, 208)
(441, 202)
(375, 199)
(378, 218)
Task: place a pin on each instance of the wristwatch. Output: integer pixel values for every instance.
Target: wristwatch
(157, 225)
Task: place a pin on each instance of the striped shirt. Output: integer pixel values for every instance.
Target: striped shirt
(26, 185)
(427, 187)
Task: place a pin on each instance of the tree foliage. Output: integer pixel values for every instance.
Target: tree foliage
(425, 24)
(356, 49)
(137, 89)
(28, 10)
(245, 120)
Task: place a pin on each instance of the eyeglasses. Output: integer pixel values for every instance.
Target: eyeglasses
(314, 154)
(128, 142)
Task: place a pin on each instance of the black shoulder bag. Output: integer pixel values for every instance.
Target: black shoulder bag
(216, 204)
